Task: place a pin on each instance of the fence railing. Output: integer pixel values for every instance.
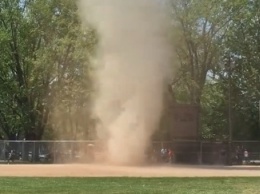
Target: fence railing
(191, 152)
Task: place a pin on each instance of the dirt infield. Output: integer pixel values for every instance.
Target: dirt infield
(86, 170)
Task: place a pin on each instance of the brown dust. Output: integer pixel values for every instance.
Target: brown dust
(132, 68)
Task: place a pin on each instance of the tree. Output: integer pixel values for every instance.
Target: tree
(206, 32)
(242, 42)
(43, 49)
(200, 27)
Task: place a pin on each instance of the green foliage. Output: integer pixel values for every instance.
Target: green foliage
(44, 52)
(208, 32)
(214, 112)
(46, 73)
(199, 28)
(242, 42)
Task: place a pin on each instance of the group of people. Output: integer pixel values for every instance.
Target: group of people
(167, 155)
(12, 155)
(163, 155)
(241, 155)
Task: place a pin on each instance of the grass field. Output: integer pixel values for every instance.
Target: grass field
(129, 185)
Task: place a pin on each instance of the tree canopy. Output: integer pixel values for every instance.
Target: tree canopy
(44, 54)
(46, 72)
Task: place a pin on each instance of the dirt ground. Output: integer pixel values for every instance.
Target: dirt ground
(87, 170)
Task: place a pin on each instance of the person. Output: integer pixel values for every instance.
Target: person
(246, 156)
(11, 156)
(223, 155)
(163, 154)
(238, 155)
(170, 155)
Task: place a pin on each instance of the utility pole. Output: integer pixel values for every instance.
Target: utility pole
(230, 126)
(259, 114)
(229, 118)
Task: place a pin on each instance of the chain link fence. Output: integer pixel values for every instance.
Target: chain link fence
(183, 152)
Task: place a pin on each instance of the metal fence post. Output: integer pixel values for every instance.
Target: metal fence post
(34, 151)
(23, 152)
(4, 152)
(54, 152)
(200, 154)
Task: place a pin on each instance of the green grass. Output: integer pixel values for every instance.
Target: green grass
(129, 185)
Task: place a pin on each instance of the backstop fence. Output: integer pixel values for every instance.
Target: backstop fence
(184, 152)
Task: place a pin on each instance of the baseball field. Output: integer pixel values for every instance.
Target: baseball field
(81, 178)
